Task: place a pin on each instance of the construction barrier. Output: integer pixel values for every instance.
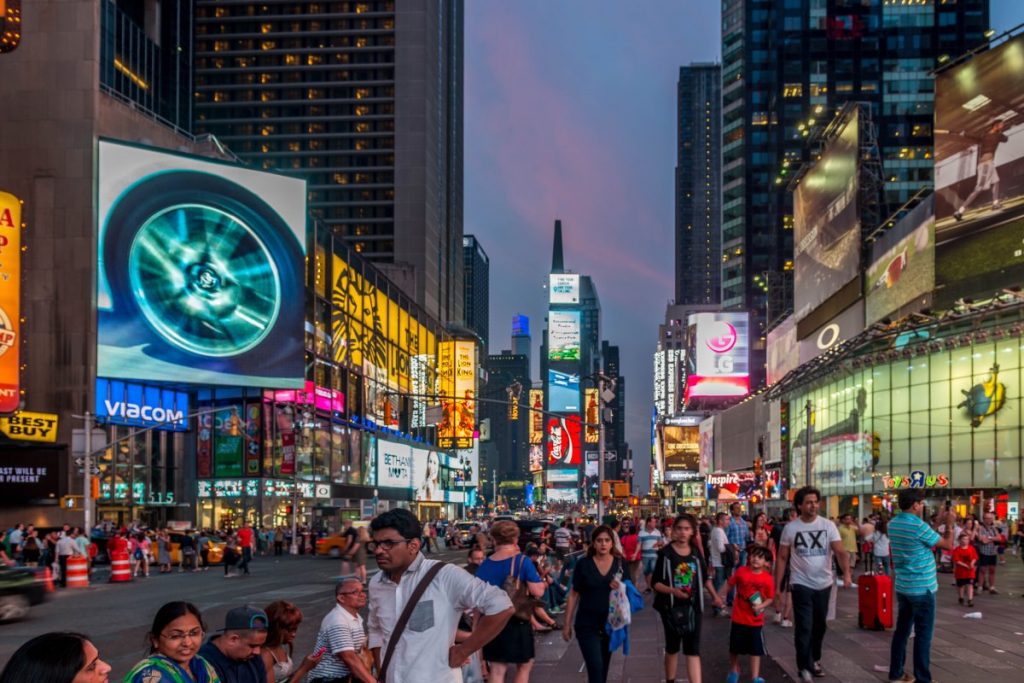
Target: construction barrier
(120, 567)
(78, 572)
(44, 575)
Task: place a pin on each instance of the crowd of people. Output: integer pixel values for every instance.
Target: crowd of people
(387, 628)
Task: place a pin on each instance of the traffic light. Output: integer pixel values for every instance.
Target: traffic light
(758, 467)
(634, 501)
(94, 487)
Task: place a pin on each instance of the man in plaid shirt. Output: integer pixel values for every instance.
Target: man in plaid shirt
(738, 533)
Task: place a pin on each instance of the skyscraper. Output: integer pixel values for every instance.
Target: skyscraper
(615, 431)
(787, 68)
(504, 370)
(365, 100)
(698, 185)
(476, 277)
(521, 336)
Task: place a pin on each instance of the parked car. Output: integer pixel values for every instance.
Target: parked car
(19, 590)
(215, 556)
(461, 534)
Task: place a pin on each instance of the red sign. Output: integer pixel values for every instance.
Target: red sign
(204, 447)
(564, 440)
(287, 452)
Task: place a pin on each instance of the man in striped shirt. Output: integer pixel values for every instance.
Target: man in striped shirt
(911, 542)
(342, 637)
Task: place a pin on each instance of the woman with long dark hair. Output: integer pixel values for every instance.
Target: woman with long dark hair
(56, 658)
(593, 580)
(174, 640)
(284, 619)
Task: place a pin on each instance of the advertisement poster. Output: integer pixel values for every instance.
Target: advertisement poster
(593, 416)
(198, 268)
(718, 361)
(466, 462)
(902, 271)
(564, 335)
(426, 475)
(457, 374)
(228, 442)
(564, 288)
(563, 392)
(536, 458)
(846, 325)
(564, 441)
(137, 405)
(536, 416)
(564, 496)
(394, 465)
(288, 452)
(979, 174)
(591, 470)
(10, 302)
(731, 485)
(782, 358)
(682, 452)
(707, 445)
(29, 475)
(252, 439)
(826, 223)
(563, 476)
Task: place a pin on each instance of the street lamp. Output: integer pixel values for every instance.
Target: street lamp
(606, 394)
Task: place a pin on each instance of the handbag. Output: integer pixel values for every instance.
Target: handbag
(403, 620)
(518, 591)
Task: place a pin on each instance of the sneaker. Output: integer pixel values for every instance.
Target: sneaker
(733, 677)
(993, 591)
(818, 671)
(786, 623)
(758, 680)
(777, 619)
(805, 676)
(959, 215)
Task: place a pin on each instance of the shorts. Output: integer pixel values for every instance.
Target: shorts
(746, 640)
(649, 563)
(690, 644)
(513, 645)
(988, 560)
(964, 582)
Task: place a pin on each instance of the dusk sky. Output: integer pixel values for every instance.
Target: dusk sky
(569, 114)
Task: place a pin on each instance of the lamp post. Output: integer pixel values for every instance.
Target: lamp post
(605, 393)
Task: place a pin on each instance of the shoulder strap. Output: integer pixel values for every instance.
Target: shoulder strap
(396, 634)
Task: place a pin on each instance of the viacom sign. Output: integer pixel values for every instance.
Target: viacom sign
(141, 406)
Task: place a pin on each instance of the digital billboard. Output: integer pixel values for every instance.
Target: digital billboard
(536, 416)
(564, 335)
(782, 358)
(536, 458)
(846, 325)
(718, 361)
(426, 475)
(135, 405)
(564, 441)
(466, 462)
(30, 474)
(591, 471)
(826, 223)
(563, 392)
(456, 367)
(682, 452)
(979, 174)
(902, 270)
(565, 496)
(592, 416)
(394, 465)
(10, 302)
(563, 476)
(706, 430)
(201, 274)
(563, 288)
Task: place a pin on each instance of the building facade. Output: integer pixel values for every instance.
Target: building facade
(476, 277)
(509, 425)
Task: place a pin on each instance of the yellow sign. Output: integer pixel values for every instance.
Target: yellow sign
(456, 367)
(10, 302)
(536, 416)
(592, 415)
(25, 426)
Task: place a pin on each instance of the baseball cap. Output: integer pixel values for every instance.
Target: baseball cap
(245, 619)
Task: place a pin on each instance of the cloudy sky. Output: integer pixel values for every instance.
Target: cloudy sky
(569, 108)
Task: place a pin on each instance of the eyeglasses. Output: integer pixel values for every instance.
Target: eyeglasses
(386, 545)
(355, 592)
(178, 636)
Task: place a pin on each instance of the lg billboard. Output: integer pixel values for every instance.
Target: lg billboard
(200, 274)
(717, 365)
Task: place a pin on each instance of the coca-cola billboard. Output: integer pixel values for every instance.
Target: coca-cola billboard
(563, 435)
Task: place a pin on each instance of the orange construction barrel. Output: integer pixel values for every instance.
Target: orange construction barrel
(78, 572)
(120, 567)
(45, 576)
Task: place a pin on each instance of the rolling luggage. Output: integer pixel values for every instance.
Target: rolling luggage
(874, 602)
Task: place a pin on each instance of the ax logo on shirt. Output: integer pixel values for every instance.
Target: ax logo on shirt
(810, 543)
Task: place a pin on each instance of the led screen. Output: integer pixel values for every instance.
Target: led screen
(717, 365)
(563, 392)
(564, 288)
(456, 367)
(426, 475)
(564, 335)
(536, 416)
(394, 465)
(826, 223)
(781, 347)
(564, 441)
(563, 476)
(902, 272)
(682, 452)
(592, 416)
(979, 174)
(568, 496)
(200, 273)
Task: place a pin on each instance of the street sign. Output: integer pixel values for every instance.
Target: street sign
(99, 438)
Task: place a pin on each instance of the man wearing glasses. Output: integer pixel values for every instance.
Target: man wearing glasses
(342, 638)
(425, 651)
(235, 653)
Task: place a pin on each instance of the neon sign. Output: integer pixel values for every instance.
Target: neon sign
(917, 480)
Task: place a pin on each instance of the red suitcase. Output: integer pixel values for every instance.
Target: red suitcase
(874, 602)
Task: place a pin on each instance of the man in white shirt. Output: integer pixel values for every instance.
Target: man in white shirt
(66, 547)
(651, 540)
(426, 651)
(719, 543)
(563, 540)
(342, 637)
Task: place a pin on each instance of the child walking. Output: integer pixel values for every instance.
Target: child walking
(755, 590)
(965, 567)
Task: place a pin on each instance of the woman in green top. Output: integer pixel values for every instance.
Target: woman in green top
(174, 642)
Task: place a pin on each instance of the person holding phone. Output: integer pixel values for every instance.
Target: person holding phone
(277, 650)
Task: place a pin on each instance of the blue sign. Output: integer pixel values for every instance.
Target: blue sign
(563, 392)
(138, 405)
(529, 496)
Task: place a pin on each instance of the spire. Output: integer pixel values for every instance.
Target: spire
(557, 262)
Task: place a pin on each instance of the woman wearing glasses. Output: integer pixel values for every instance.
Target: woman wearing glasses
(284, 618)
(174, 641)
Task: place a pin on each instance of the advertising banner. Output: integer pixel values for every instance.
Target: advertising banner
(536, 416)
(682, 452)
(564, 441)
(564, 335)
(536, 459)
(718, 361)
(564, 288)
(566, 496)
(782, 357)
(563, 392)
(591, 470)
(707, 445)
(979, 174)
(288, 452)
(394, 465)
(26, 426)
(563, 476)
(593, 416)
(826, 223)
(457, 373)
(844, 326)
(136, 405)
(903, 265)
(467, 462)
(252, 439)
(731, 485)
(200, 270)
(10, 302)
(29, 475)
(426, 475)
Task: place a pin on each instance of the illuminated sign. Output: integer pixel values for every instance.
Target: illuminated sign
(394, 465)
(536, 458)
(569, 496)
(563, 476)
(593, 416)
(681, 452)
(706, 434)
(228, 488)
(731, 485)
(563, 288)
(536, 416)
(466, 463)
(137, 405)
(563, 392)
(10, 302)
(10, 25)
(718, 359)
(564, 441)
(327, 400)
(30, 474)
(563, 335)
(457, 374)
(781, 346)
(26, 426)
(200, 269)
(918, 479)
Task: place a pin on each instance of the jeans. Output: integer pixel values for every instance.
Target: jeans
(246, 556)
(596, 655)
(554, 595)
(917, 611)
(720, 577)
(810, 608)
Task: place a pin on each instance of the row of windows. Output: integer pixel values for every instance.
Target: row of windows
(217, 9)
(272, 60)
(293, 78)
(205, 26)
(308, 44)
(291, 95)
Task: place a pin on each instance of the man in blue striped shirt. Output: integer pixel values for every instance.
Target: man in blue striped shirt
(911, 542)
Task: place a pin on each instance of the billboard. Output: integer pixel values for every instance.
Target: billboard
(30, 474)
(466, 462)
(844, 326)
(592, 416)
(200, 270)
(426, 475)
(567, 496)
(707, 445)
(563, 392)
(536, 416)
(563, 288)
(781, 346)
(717, 364)
(563, 476)
(564, 441)
(394, 465)
(731, 485)
(456, 367)
(826, 222)
(10, 302)
(902, 269)
(136, 405)
(681, 452)
(564, 335)
(979, 174)
(591, 471)
(536, 458)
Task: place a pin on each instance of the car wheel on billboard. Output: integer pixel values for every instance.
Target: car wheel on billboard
(204, 262)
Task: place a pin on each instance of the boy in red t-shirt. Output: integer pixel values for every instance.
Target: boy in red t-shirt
(965, 565)
(755, 590)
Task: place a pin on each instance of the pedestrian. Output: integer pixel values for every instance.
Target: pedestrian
(880, 547)
(563, 540)
(231, 555)
(188, 553)
(235, 652)
(848, 532)
(680, 578)
(631, 553)
(174, 640)
(508, 568)
(912, 542)
(754, 592)
(351, 536)
(990, 535)
(6, 560)
(203, 544)
(245, 545)
(359, 557)
(419, 639)
(30, 548)
(594, 577)
(761, 533)
(651, 541)
(965, 566)
(738, 533)
(61, 657)
(66, 547)
(341, 642)
(720, 555)
(807, 546)
(284, 619)
(474, 559)
(279, 541)
(163, 551)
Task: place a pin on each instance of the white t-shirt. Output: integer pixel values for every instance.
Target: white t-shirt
(563, 537)
(810, 552)
(719, 542)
